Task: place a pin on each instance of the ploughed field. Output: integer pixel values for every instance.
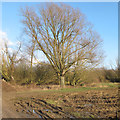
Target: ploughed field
(88, 103)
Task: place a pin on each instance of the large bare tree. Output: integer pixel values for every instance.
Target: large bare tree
(63, 35)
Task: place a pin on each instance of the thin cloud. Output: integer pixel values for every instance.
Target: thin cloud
(3, 39)
(11, 46)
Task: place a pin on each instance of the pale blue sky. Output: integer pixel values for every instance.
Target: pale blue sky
(104, 17)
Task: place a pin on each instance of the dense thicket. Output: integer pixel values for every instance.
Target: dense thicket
(44, 74)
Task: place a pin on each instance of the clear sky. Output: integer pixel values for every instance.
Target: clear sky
(103, 15)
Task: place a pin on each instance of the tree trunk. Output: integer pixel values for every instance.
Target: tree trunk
(31, 67)
(62, 81)
(12, 73)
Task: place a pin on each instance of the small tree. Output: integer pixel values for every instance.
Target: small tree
(8, 63)
(30, 49)
(63, 35)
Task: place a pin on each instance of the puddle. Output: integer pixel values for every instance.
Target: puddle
(72, 117)
(33, 111)
(36, 113)
(28, 111)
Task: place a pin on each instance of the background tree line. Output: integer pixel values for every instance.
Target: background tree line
(44, 74)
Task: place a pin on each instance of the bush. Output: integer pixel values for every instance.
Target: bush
(22, 73)
(45, 74)
(112, 75)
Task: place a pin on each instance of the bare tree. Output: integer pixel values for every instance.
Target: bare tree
(8, 62)
(63, 35)
(30, 51)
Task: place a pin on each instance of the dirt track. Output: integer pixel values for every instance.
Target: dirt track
(80, 104)
(9, 93)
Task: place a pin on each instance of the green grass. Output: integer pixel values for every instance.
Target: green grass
(61, 90)
(51, 102)
(56, 103)
(77, 89)
(76, 114)
(109, 84)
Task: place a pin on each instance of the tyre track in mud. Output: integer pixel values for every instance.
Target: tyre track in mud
(41, 109)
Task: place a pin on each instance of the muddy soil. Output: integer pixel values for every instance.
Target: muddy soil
(85, 104)
(40, 102)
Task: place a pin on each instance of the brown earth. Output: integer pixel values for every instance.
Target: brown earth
(8, 93)
(34, 102)
(7, 87)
